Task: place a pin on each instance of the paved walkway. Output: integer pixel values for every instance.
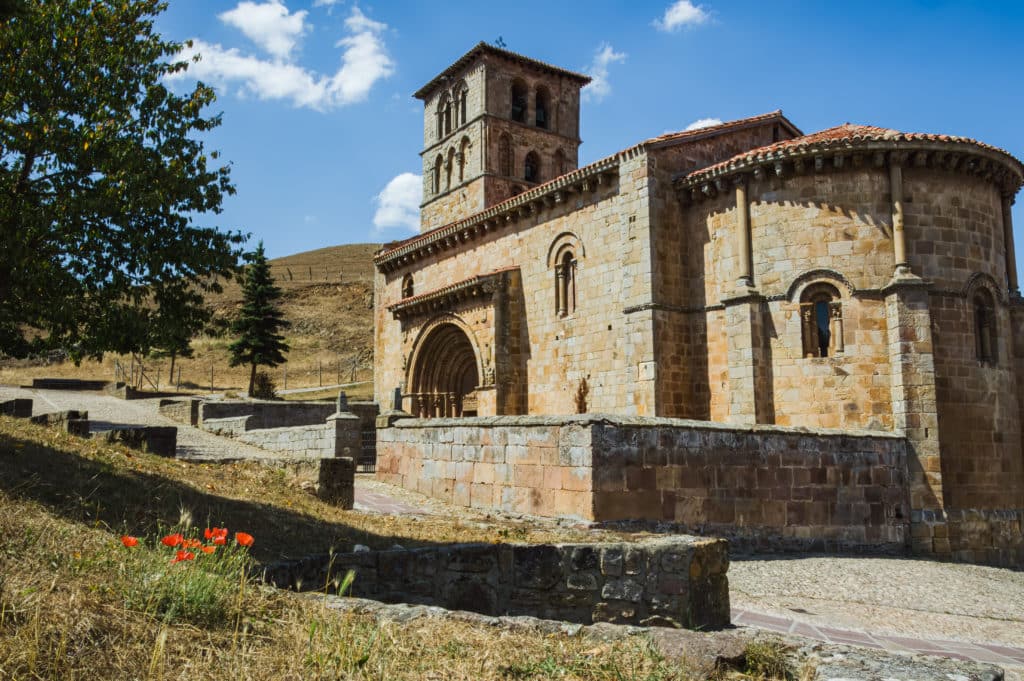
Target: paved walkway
(1004, 656)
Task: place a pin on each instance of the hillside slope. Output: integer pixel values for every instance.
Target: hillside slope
(328, 298)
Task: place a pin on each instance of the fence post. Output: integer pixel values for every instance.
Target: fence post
(211, 377)
(320, 371)
(285, 377)
(179, 378)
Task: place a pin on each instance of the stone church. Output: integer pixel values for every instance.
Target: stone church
(840, 308)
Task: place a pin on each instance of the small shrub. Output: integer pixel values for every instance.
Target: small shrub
(263, 387)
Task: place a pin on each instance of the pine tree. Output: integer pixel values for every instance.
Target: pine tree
(260, 321)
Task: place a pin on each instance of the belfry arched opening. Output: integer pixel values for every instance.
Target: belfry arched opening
(444, 375)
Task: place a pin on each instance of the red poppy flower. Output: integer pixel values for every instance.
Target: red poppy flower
(244, 539)
(209, 549)
(208, 534)
(183, 555)
(129, 541)
(220, 541)
(191, 544)
(172, 540)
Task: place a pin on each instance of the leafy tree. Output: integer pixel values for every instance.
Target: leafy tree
(260, 320)
(180, 315)
(101, 177)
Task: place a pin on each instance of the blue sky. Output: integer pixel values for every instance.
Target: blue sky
(319, 118)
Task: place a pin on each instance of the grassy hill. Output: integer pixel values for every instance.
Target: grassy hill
(329, 301)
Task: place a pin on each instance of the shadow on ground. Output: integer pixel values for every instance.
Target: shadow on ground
(142, 503)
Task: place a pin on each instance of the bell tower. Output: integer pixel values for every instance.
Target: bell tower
(495, 123)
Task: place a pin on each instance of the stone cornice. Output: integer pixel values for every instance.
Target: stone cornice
(586, 179)
(479, 286)
(951, 154)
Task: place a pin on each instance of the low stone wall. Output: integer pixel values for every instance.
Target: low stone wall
(68, 384)
(71, 421)
(232, 426)
(268, 414)
(995, 537)
(676, 581)
(19, 408)
(181, 410)
(159, 440)
(811, 489)
(339, 436)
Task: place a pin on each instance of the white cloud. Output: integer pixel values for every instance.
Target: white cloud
(398, 204)
(681, 13)
(325, 3)
(270, 25)
(364, 61)
(599, 87)
(704, 123)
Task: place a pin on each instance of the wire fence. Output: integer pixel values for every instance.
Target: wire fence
(189, 374)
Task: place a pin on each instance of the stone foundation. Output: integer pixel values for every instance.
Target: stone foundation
(675, 582)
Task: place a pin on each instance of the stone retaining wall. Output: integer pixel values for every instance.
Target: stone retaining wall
(811, 488)
(676, 581)
(268, 414)
(183, 411)
(971, 535)
(339, 436)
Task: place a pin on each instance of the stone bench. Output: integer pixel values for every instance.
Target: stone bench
(159, 440)
(19, 408)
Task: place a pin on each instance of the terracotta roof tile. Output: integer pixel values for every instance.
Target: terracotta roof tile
(845, 133)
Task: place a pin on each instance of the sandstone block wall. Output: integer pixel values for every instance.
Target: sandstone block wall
(676, 582)
(769, 486)
(810, 488)
(336, 481)
(339, 436)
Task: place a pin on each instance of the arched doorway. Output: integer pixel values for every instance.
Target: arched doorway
(444, 374)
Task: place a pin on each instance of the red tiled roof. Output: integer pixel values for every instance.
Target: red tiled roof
(728, 126)
(483, 47)
(839, 135)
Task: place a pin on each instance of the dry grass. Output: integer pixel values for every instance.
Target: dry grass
(332, 322)
(64, 586)
(70, 605)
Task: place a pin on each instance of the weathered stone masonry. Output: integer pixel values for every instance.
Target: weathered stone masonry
(856, 278)
(679, 581)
